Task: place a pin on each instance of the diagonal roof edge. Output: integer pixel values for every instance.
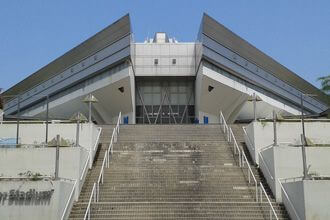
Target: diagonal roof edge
(218, 32)
(100, 40)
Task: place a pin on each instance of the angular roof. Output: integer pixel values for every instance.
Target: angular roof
(102, 39)
(216, 31)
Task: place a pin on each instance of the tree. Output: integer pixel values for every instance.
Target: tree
(325, 84)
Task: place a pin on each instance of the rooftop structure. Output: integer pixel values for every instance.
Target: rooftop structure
(164, 81)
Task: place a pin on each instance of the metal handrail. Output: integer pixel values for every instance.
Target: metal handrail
(250, 173)
(241, 154)
(287, 197)
(236, 147)
(225, 126)
(272, 210)
(106, 158)
(85, 168)
(101, 175)
(88, 209)
(264, 162)
(97, 139)
(93, 151)
(68, 202)
(248, 138)
(38, 122)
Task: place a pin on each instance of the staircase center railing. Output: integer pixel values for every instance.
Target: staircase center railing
(288, 199)
(248, 138)
(67, 205)
(272, 212)
(242, 160)
(88, 209)
(105, 163)
(265, 164)
(77, 185)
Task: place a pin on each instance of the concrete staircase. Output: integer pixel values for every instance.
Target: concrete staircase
(171, 172)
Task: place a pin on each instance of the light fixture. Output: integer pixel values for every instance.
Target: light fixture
(121, 89)
(90, 99)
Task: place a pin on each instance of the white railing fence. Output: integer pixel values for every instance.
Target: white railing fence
(272, 213)
(106, 159)
(264, 165)
(94, 149)
(238, 153)
(78, 183)
(92, 197)
(231, 139)
(249, 173)
(69, 203)
(249, 142)
(288, 198)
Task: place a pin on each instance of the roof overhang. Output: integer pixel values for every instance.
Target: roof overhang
(211, 30)
(102, 39)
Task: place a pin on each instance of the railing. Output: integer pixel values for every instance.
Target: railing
(231, 138)
(106, 158)
(37, 122)
(266, 166)
(242, 160)
(101, 175)
(83, 174)
(250, 173)
(88, 209)
(248, 139)
(272, 212)
(69, 202)
(94, 149)
(288, 199)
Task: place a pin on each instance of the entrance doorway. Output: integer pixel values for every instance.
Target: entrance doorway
(163, 100)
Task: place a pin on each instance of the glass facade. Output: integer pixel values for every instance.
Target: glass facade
(161, 100)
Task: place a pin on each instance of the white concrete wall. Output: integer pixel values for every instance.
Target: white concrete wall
(286, 162)
(317, 199)
(35, 133)
(145, 53)
(295, 192)
(311, 199)
(51, 209)
(261, 134)
(42, 160)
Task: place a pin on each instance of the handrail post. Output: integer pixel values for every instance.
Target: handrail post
(114, 132)
(239, 159)
(256, 188)
(98, 192)
(102, 175)
(94, 194)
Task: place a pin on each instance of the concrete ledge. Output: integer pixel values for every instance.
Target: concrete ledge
(310, 198)
(282, 162)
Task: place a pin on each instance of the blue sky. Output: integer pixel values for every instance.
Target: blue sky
(296, 33)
